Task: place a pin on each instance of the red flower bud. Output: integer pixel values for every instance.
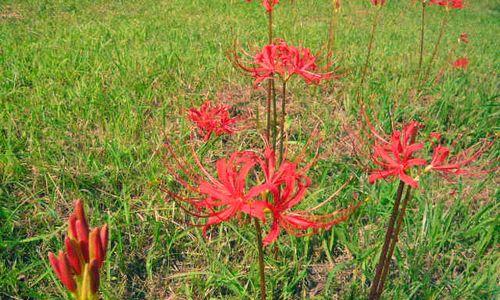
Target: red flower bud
(65, 273)
(95, 249)
(94, 276)
(104, 235)
(73, 253)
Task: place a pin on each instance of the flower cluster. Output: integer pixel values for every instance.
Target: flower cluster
(252, 183)
(461, 63)
(378, 2)
(268, 4)
(455, 4)
(284, 60)
(78, 267)
(213, 118)
(396, 156)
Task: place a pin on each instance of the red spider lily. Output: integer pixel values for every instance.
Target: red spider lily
(284, 60)
(456, 4)
(231, 192)
(78, 267)
(464, 38)
(213, 118)
(288, 185)
(396, 156)
(268, 4)
(227, 195)
(378, 2)
(461, 63)
(458, 165)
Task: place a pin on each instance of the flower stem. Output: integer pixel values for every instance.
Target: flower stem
(331, 32)
(436, 48)
(270, 83)
(282, 123)
(260, 247)
(275, 115)
(385, 247)
(394, 240)
(369, 52)
(422, 32)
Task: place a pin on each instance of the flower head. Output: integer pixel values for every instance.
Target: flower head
(251, 183)
(212, 118)
(455, 4)
(268, 4)
(395, 157)
(460, 164)
(461, 63)
(78, 267)
(284, 60)
(378, 2)
(288, 185)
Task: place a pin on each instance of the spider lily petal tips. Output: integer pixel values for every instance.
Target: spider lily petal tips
(78, 267)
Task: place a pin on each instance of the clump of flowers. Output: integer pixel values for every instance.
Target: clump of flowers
(85, 251)
(275, 190)
(212, 118)
(401, 156)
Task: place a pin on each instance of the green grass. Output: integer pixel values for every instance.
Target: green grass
(88, 89)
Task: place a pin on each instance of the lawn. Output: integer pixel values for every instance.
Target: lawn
(90, 89)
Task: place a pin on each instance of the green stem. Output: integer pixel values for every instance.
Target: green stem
(385, 247)
(275, 115)
(260, 248)
(394, 241)
(422, 32)
(282, 123)
(369, 52)
(436, 48)
(331, 32)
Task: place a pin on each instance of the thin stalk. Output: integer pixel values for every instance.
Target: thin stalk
(282, 123)
(422, 32)
(260, 247)
(385, 247)
(394, 241)
(269, 83)
(275, 115)
(369, 52)
(436, 48)
(331, 32)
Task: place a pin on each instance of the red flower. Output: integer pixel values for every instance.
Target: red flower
(461, 63)
(270, 189)
(396, 156)
(285, 61)
(268, 4)
(456, 4)
(210, 118)
(288, 185)
(85, 254)
(227, 195)
(378, 2)
(458, 165)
